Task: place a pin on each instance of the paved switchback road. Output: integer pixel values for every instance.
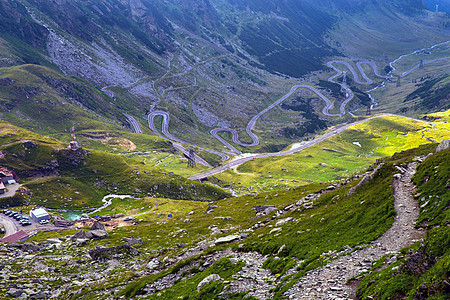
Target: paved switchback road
(134, 123)
(319, 139)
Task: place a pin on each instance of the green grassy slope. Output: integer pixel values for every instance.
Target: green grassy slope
(340, 156)
(307, 237)
(299, 240)
(422, 272)
(42, 99)
(57, 177)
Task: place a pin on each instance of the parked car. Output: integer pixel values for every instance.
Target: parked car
(18, 217)
(9, 213)
(2, 230)
(43, 222)
(26, 223)
(13, 214)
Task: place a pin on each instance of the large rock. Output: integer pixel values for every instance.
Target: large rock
(445, 144)
(15, 293)
(284, 221)
(81, 234)
(227, 239)
(264, 208)
(132, 241)
(154, 263)
(208, 279)
(97, 234)
(81, 242)
(30, 248)
(103, 253)
(98, 226)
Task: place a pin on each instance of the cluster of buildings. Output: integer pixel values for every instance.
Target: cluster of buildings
(7, 177)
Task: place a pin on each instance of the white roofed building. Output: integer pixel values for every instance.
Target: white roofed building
(39, 215)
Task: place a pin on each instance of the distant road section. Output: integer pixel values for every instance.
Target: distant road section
(356, 73)
(167, 135)
(133, 123)
(319, 139)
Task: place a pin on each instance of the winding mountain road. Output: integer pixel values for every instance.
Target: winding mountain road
(234, 163)
(249, 128)
(134, 123)
(167, 135)
(328, 104)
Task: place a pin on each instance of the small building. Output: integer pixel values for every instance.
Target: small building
(19, 236)
(39, 215)
(2, 188)
(6, 174)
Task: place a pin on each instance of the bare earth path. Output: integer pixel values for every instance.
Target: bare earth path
(329, 282)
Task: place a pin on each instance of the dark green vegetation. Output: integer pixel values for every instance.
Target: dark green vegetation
(334, 88)
(312, 124)
(421, 272)
(432, 94)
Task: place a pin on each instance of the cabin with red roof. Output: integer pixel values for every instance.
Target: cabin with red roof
(19, 236)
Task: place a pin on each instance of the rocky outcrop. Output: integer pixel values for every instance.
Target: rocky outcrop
(101, 253)
(445, 144)
(81, 234)
(98, 226)
(132, 241)
(263, 210)
(207, 280)
(97, 234)
(366, 179)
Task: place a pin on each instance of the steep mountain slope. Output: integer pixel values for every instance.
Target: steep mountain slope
(213, 64)
(276, 238)
(54, 103)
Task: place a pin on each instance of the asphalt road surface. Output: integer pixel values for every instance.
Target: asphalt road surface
(319, 139)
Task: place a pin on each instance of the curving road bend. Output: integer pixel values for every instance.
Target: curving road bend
(8, 224)
(252, 123)
(168, 136)
(234, 163)
(328, 104)
(325, 111)
(134, 123)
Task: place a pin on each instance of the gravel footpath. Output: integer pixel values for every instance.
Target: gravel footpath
(329, 282)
